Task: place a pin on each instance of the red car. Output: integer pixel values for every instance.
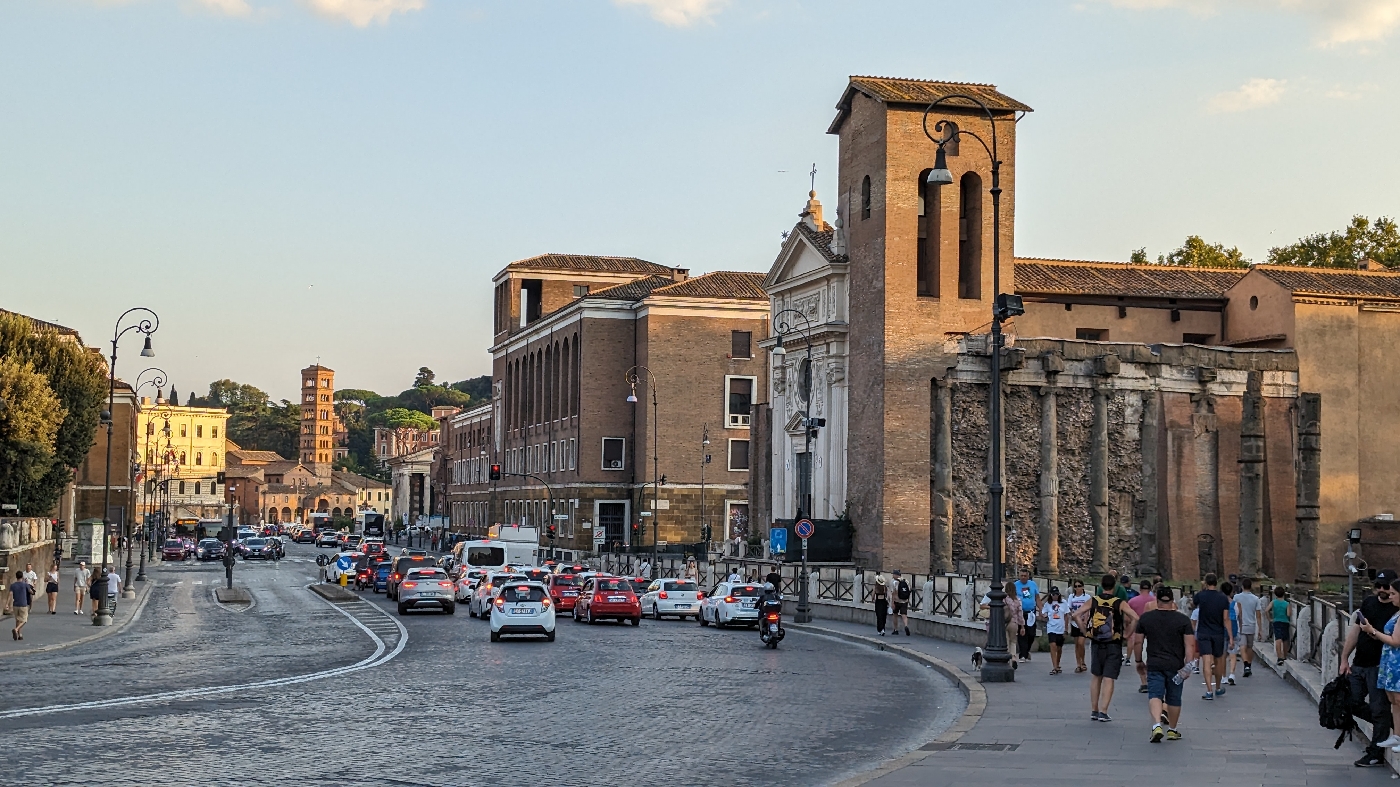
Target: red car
(174, 549)
(563, 588)
(607, 597)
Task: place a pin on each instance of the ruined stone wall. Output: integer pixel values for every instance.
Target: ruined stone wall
(969, 426)
(1021, 414)
(1125, 504)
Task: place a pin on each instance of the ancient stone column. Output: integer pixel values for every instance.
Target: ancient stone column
(1251, 464)
(1151, 442)
(1098, 480)
(1048, 559)
(1207, 493)
(1309, 485)
(942, 497)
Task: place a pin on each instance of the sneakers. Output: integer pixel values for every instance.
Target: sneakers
(1370, 761)
(1280, 662)
(1173, 735)
(895, 632)
(1093, 716)
(1390, 743)
(1196, 668)
(1247, 670)
(1103, 716)
(1142, 689)
(1230, 679)
(1158, 733)
(906, 631)
(1220, 692)
(1163, 718)
(1207, 696)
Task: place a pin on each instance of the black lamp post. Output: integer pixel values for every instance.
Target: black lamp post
(157, 380)
(147, 326)
(997, 668)
(632, 379)
(782, 326)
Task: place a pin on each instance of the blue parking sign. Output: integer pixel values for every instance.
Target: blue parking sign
(777, 539)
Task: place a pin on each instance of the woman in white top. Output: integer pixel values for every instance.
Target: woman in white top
(1078, 598)
(1055, 611)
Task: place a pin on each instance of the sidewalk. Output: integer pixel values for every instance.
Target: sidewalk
(1037, 732)
(45, 632)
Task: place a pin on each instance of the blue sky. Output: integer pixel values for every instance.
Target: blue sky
(288, 179)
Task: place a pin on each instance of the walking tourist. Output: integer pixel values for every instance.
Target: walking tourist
(734, 576)
(1054, 612)
(81, 577)
(882, 603)
(51, 588)
(30, 576)
(21, 596)
(1232, 655)
(1013, 620)
(1078, 597)
(1170, 644)
(692, 570)
(1247, 610)
(1106, 617)
(1140, 603)
(1388, 674)
(1029, 594)
(114, 589)
(902, 594)
(1361, 660)
(1213, 634)
(97, 588)
(1278, 617)
(645, 570)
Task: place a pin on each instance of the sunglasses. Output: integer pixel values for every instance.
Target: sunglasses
(1382, 586)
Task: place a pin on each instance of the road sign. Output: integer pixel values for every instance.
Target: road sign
(561, 516)
(600, 535)
(777, 539)
(803, 529)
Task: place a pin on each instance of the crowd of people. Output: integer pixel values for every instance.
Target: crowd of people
(87, 585)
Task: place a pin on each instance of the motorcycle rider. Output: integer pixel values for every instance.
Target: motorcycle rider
(770, 601)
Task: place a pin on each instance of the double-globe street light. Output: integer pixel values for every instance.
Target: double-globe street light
(997, 668)
(148, 326)
(145, 467)
(633, 377)
(782, 327)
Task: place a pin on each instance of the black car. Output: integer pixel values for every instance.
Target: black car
(260, 549)
(209, 549)
(305, 536)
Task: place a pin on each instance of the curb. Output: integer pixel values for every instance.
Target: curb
(105, 632)
(971, 689)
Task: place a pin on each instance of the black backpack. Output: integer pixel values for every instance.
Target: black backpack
(1334, 709)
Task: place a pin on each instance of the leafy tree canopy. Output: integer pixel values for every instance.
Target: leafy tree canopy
(1199, 254)
(425, 377)
(478, 388)
(401, 418)
(1361, 240)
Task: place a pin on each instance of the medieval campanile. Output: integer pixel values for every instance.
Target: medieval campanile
(920, 275)
(318, 421)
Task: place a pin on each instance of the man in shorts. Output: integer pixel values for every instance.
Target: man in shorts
(1214, 636)
(1249, 611)
(21, 596)
(1170, 645)
(1105, 619)
(1143, 601)
(902, 593)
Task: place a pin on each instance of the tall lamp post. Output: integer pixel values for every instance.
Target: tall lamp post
(997, 668)
(704, 460)
(633, 377)
(157, 380)
(783, 326)
(148, 326)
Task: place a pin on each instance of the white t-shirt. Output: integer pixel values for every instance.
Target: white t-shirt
(1247, 605)
(1054, 613)
(114, 583)
(82, 577)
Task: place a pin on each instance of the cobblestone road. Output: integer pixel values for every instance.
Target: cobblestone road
(663, 703)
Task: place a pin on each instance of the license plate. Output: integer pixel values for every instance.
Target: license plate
(569, 595)
(521, 611)
(749, 602)
(773, 628)
(682, 606)
(617, 598)
(427, 594)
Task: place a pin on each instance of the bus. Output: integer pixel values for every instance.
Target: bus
(372, 524)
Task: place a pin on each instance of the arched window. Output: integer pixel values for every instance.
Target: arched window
(182, 487)
(199, 457)
(287, 513)
(214, 459)
(970, 236)
(930, 214)
(197, 486)
(865, 198)
(335, 511)
(950, 138)
(182, 459)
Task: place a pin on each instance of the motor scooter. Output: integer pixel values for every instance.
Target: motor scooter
(770, 623)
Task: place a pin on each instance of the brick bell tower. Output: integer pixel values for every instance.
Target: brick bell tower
(318, 421)
(920, 275)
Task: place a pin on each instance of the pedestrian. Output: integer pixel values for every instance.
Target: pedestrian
(1106, 618)
(81, 577)
(1213, 635)
(114, 589)
(1388, 674)
(645, 570)
(1140, 604)
(774, 578)
(1361, 660)
(692, 570)
(1078, 597)
(1233, 654)
(1248, 610)
(1170, 645)
(1013, 621)
(1120, 588)
(21, 596)
(1054, 612)
(882, 603)
(1028, 592)
(97, 588)
(1278, 616)
(29, 575)
(902, 594)
(734, 577)
(51, 588)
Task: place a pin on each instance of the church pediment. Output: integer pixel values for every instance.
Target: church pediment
(794, 423)
(805, 253)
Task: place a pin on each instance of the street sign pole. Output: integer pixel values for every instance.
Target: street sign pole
(803, 529)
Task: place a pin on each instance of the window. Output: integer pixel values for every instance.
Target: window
(196, 487)
(573, 457)
(150, 427)
(325, 383)
(865, 198)
(738, 454)
(738, 400)
(214, 459)
(614, 451)
(309, 384)
(182, 487)
(1253, 302)
(970, 237)
(184, 430)
(199, 457)
(929, 233)
(580, 290)
(311, 397)
(1091, 334)
(182, 458)
(214, 432)
(1197, 338)
(199, 431)
(740, 344)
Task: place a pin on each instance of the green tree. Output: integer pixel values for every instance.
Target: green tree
(425, 377)
(1139, 257)
(478, 388)
(1361, 240)
(1196, 253)
(29, 423)
(403, 418)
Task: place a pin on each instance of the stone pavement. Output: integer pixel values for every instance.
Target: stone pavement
(45, 632)
(1037, 732)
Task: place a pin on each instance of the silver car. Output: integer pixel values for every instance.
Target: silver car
(426, 588)
(480, 604)
(731, 604)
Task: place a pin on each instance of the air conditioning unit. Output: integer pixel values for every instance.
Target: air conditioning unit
(615, 464)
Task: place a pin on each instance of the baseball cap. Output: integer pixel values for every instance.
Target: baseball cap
(896, 572)
(1385, 577)
(1164, 593)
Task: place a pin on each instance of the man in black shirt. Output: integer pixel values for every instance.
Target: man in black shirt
(1361, 660)
(1214, 636)
(1170, 645)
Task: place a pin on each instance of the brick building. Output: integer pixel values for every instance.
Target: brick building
(568, 328)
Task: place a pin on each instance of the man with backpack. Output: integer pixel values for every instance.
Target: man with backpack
(902, 594)
(1105, 618)
(1361, 660)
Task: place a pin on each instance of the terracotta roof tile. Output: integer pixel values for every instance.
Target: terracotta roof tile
(589, 262)
(1330, 281)
(820, 239)
(247, 455)
(743, 285)
(895, 90)
(1066, 277)
(632, 290)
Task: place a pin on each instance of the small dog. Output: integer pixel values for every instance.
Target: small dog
(977, 658)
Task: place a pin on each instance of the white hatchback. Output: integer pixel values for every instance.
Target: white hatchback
(466, 584)
(731, 604)
(522, 607)
(678, 597)
(485, 593)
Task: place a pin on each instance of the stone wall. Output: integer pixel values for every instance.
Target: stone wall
(25, 541)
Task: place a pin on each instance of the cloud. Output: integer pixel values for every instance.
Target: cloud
(228, 7)
(1342, 21)
(678, 13)
(362, 13)
(1253, 94)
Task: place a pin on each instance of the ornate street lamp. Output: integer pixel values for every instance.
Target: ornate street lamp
(146, 326)
(782, 327)
(158, 381)
(633, 377)
(997, 667)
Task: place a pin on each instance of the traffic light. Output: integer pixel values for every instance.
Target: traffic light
(221, 478)
(495, 472)
(551, 532)
(636, 532)
(705, 533)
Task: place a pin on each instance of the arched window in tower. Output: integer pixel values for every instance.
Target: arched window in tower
(930, 211)
(970, 236)
(950, 138)
(865, 198)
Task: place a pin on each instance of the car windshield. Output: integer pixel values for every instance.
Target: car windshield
(614, 584)
(486, 556)
(568, 580)
(174, 543)
(520, 594)
(746, 590)
(256, 542)
(208, 542)
(426, 573)
(408, 563)
(680, 587)
(500, 579)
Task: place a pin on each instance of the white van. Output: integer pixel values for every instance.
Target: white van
(493, 555)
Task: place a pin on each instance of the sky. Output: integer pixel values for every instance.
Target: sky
(291, 180)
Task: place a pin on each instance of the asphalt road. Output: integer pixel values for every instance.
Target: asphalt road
(667, 702)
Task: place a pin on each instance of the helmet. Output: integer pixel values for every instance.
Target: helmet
(767, 585)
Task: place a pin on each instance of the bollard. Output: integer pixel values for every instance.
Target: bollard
(343, 581)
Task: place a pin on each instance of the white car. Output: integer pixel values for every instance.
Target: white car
(466, 584)
(731, 604)
(679, 597)
(480, 603)
(522, 607)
